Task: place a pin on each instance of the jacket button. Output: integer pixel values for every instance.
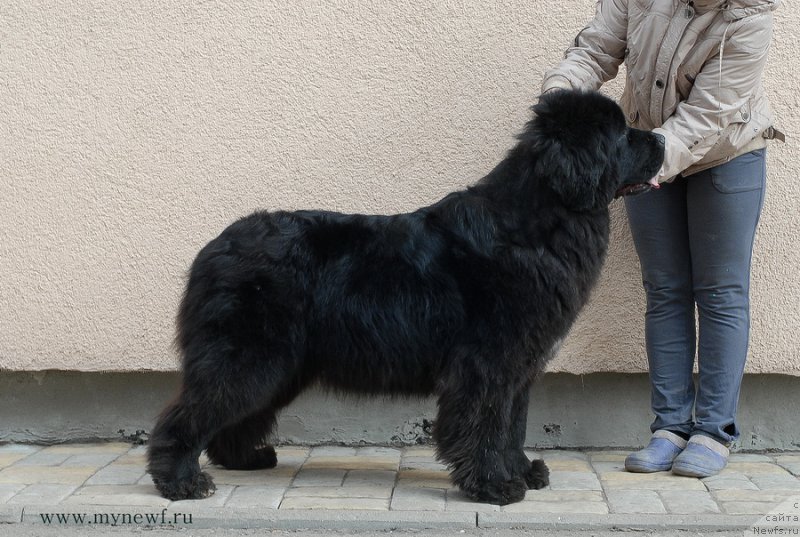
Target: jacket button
(659, 84)
(689, 13)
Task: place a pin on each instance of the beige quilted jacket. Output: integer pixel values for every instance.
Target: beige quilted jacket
(694, 73)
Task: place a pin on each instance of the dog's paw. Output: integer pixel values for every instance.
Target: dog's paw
(197, 487)
(501, 493)
(538, 476)
(264, 457)
(252, 459)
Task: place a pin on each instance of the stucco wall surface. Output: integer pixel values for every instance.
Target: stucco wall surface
(131, 133)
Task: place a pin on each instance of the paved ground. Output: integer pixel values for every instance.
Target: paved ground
(374, 488)
(38, 530)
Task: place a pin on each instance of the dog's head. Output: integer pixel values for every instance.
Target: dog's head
(584, 151)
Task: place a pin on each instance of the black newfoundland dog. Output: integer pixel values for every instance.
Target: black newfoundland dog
(463, 299)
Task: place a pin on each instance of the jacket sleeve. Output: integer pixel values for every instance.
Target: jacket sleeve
(597, 52)
(719, 97)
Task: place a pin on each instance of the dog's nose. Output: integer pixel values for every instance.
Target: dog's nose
(660, 139)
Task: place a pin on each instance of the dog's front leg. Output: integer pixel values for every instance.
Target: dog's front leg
(472, 432)
(535, 472)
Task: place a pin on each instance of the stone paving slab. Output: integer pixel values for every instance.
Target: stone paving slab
(729, 482)
(361, 478)
(118, 474)
(751, 469)
(53, 475)
(9, 491)
(793, 467)
(635, 501)
(43, 458)
(9, 457)
(418, 499)
(255, 496)
(130, 495)
(10, 514)
(41, 493)
(776, 482)
(689, 501)
(574, 480)
(608, 456)
(25, 449)
(387, 488)
(320, 477)
(247, 477)
(366, 491)
(747, 507)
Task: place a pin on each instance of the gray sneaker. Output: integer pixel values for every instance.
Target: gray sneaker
(664, 446)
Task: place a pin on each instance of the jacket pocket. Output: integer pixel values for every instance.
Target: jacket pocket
(733, 137)
(684, 82)
(742, 174)
(627, 103)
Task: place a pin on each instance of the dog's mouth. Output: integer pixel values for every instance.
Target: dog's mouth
(636, 188)
(632, 190)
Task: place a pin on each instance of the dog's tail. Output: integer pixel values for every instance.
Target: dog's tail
(208, 299)
(235, 287)
(223, 282)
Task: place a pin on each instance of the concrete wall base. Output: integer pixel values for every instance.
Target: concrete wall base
(568, 411)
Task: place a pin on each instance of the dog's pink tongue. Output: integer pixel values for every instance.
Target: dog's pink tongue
(654, 182)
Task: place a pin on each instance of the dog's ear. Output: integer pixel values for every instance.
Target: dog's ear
(573, 173)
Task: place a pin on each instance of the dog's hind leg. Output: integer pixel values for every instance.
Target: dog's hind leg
(211, 399)
(472, 431)
(240, 342)
(173, 451)
(243, 445)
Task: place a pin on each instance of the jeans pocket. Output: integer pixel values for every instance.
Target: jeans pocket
(742, 174)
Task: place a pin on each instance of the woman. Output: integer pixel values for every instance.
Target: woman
(694, 75)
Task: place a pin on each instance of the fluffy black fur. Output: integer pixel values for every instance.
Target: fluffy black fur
(463, 299)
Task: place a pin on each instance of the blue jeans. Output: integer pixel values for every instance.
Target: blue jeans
(694, 238)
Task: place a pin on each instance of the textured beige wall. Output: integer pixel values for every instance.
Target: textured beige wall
(129, 136)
